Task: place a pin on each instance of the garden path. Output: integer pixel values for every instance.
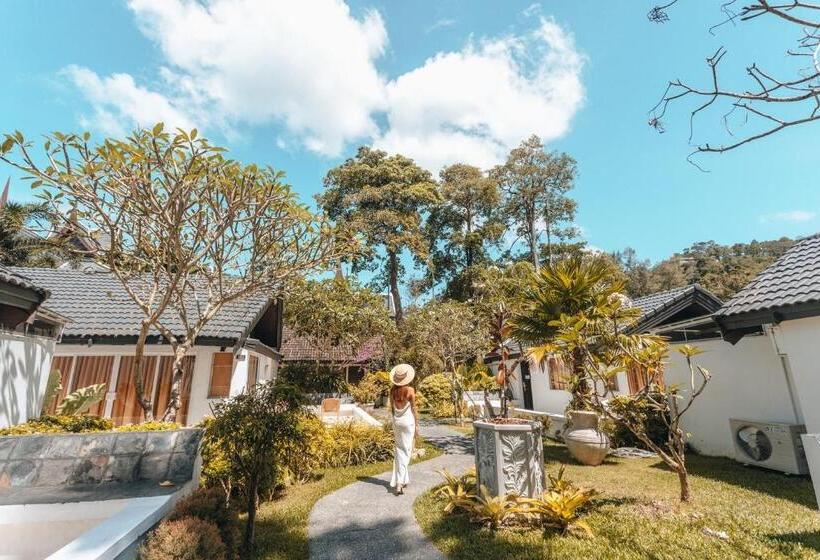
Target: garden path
(367, 521)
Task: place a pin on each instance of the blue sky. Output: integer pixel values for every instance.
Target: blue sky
(300, 88)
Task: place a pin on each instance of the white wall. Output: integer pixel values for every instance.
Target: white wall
(799, 341)
(25, 362)
(747, 382)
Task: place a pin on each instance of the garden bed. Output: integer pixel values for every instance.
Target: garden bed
(637, 515)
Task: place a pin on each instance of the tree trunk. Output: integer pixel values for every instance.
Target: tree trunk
(139, 373)
(393, 265)
(174, 401)
(685, 491)
(582, 388)
(533, 243)
(247, 542)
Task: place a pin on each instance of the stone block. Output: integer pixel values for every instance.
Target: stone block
(129, 442)
(154, 467)
(7, 446)
(63, 446)
(30, 447)
(98, 444)
(22, 472)
(160, 442)
(122, 468)
(188, 442)
(56, 472)
(90, 470)
(181, 467)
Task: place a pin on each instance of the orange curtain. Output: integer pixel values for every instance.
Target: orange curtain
(126, 408)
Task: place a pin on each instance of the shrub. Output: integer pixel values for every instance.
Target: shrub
(189, 538)
(209, 504)
(352, 443)
(436, 391)
(302, 460)
(310, 377)
(59, 424)
(150, 426)
(443, 410)
(373, 386)
(642, 414)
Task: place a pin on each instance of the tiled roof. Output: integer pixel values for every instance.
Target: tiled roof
(99, 306)
(653, 302)
(300, 349)
(793, 280)
(14, 278)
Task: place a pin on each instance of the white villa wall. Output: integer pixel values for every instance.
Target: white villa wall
(25, 362)
(799, 341)
(747, 382)
(199, 403)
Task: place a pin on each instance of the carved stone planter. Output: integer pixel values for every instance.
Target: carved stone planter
(584, 441)
(509, 458)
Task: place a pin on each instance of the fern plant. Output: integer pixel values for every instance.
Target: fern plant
(81, 400)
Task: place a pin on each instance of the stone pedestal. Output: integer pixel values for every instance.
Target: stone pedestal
(509, 458)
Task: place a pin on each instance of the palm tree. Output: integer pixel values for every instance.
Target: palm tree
(20, 245)
(574, 287)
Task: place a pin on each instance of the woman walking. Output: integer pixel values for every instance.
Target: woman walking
(405, 423)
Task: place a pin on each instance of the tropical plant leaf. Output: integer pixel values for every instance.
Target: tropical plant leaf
(81, 400)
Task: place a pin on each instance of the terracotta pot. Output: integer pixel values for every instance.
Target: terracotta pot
(585, 442)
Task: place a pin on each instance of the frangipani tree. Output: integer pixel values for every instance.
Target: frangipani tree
(600, 347)
(189, 231)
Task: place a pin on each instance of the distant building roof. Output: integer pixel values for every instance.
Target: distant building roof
(297, 348)
(787, 289)
(674, 305)
(9, 276)
(99, 307)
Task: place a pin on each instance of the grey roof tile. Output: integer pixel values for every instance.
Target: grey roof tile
(653, 302)
(9, 276)
(99, 306)
(793, 279)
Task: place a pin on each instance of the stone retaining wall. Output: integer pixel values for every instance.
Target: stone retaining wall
(92, 458)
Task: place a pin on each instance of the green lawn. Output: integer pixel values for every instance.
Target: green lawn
(281, 526)
(766, 515)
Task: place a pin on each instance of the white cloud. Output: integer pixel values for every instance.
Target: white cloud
(309, 68)
(790, 216)
(441, 24)
(475, 104)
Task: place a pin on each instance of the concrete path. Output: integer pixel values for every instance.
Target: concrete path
(367, 521)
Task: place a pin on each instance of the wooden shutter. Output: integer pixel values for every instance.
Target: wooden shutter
(221, 372)
(165, 383)
(559, 374)
(126, 408)
(92, 370)
(63, 365)
(253, 370)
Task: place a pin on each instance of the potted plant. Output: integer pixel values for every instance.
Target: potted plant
(509, 453)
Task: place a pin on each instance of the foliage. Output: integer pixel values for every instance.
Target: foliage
(245, 427)
(311, 377)
(150, 426)
(209, 504)
(21, 242)
(493, 511)
(443, 410)
(188, 538)
(372, 387)
(638, 412)
(721, 269)
(59, 424)
(462, 229)
(500, 334)
(54, 385)
(458, 491)
(535, 185)
(337, 316)
(81, 400)
(355, 443)
(302, 458)
(185, 226)
(436, 391)
(380, 199)
(559, 506)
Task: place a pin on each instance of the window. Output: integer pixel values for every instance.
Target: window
(253, 370)
(612, 383)
(221, 371)
(560, 374)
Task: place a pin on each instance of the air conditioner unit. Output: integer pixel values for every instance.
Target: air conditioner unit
(771, 445)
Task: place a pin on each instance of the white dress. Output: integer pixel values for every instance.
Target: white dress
(404, 429)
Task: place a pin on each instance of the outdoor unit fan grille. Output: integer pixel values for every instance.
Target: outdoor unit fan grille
(772, 445)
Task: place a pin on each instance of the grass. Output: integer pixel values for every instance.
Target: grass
(766, 515)
(281, 525)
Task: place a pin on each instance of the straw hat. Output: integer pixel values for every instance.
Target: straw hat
(402, 374)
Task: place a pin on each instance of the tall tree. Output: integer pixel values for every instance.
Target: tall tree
(464, 227)
(189, 230)
(535, 184)
(381, 198)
